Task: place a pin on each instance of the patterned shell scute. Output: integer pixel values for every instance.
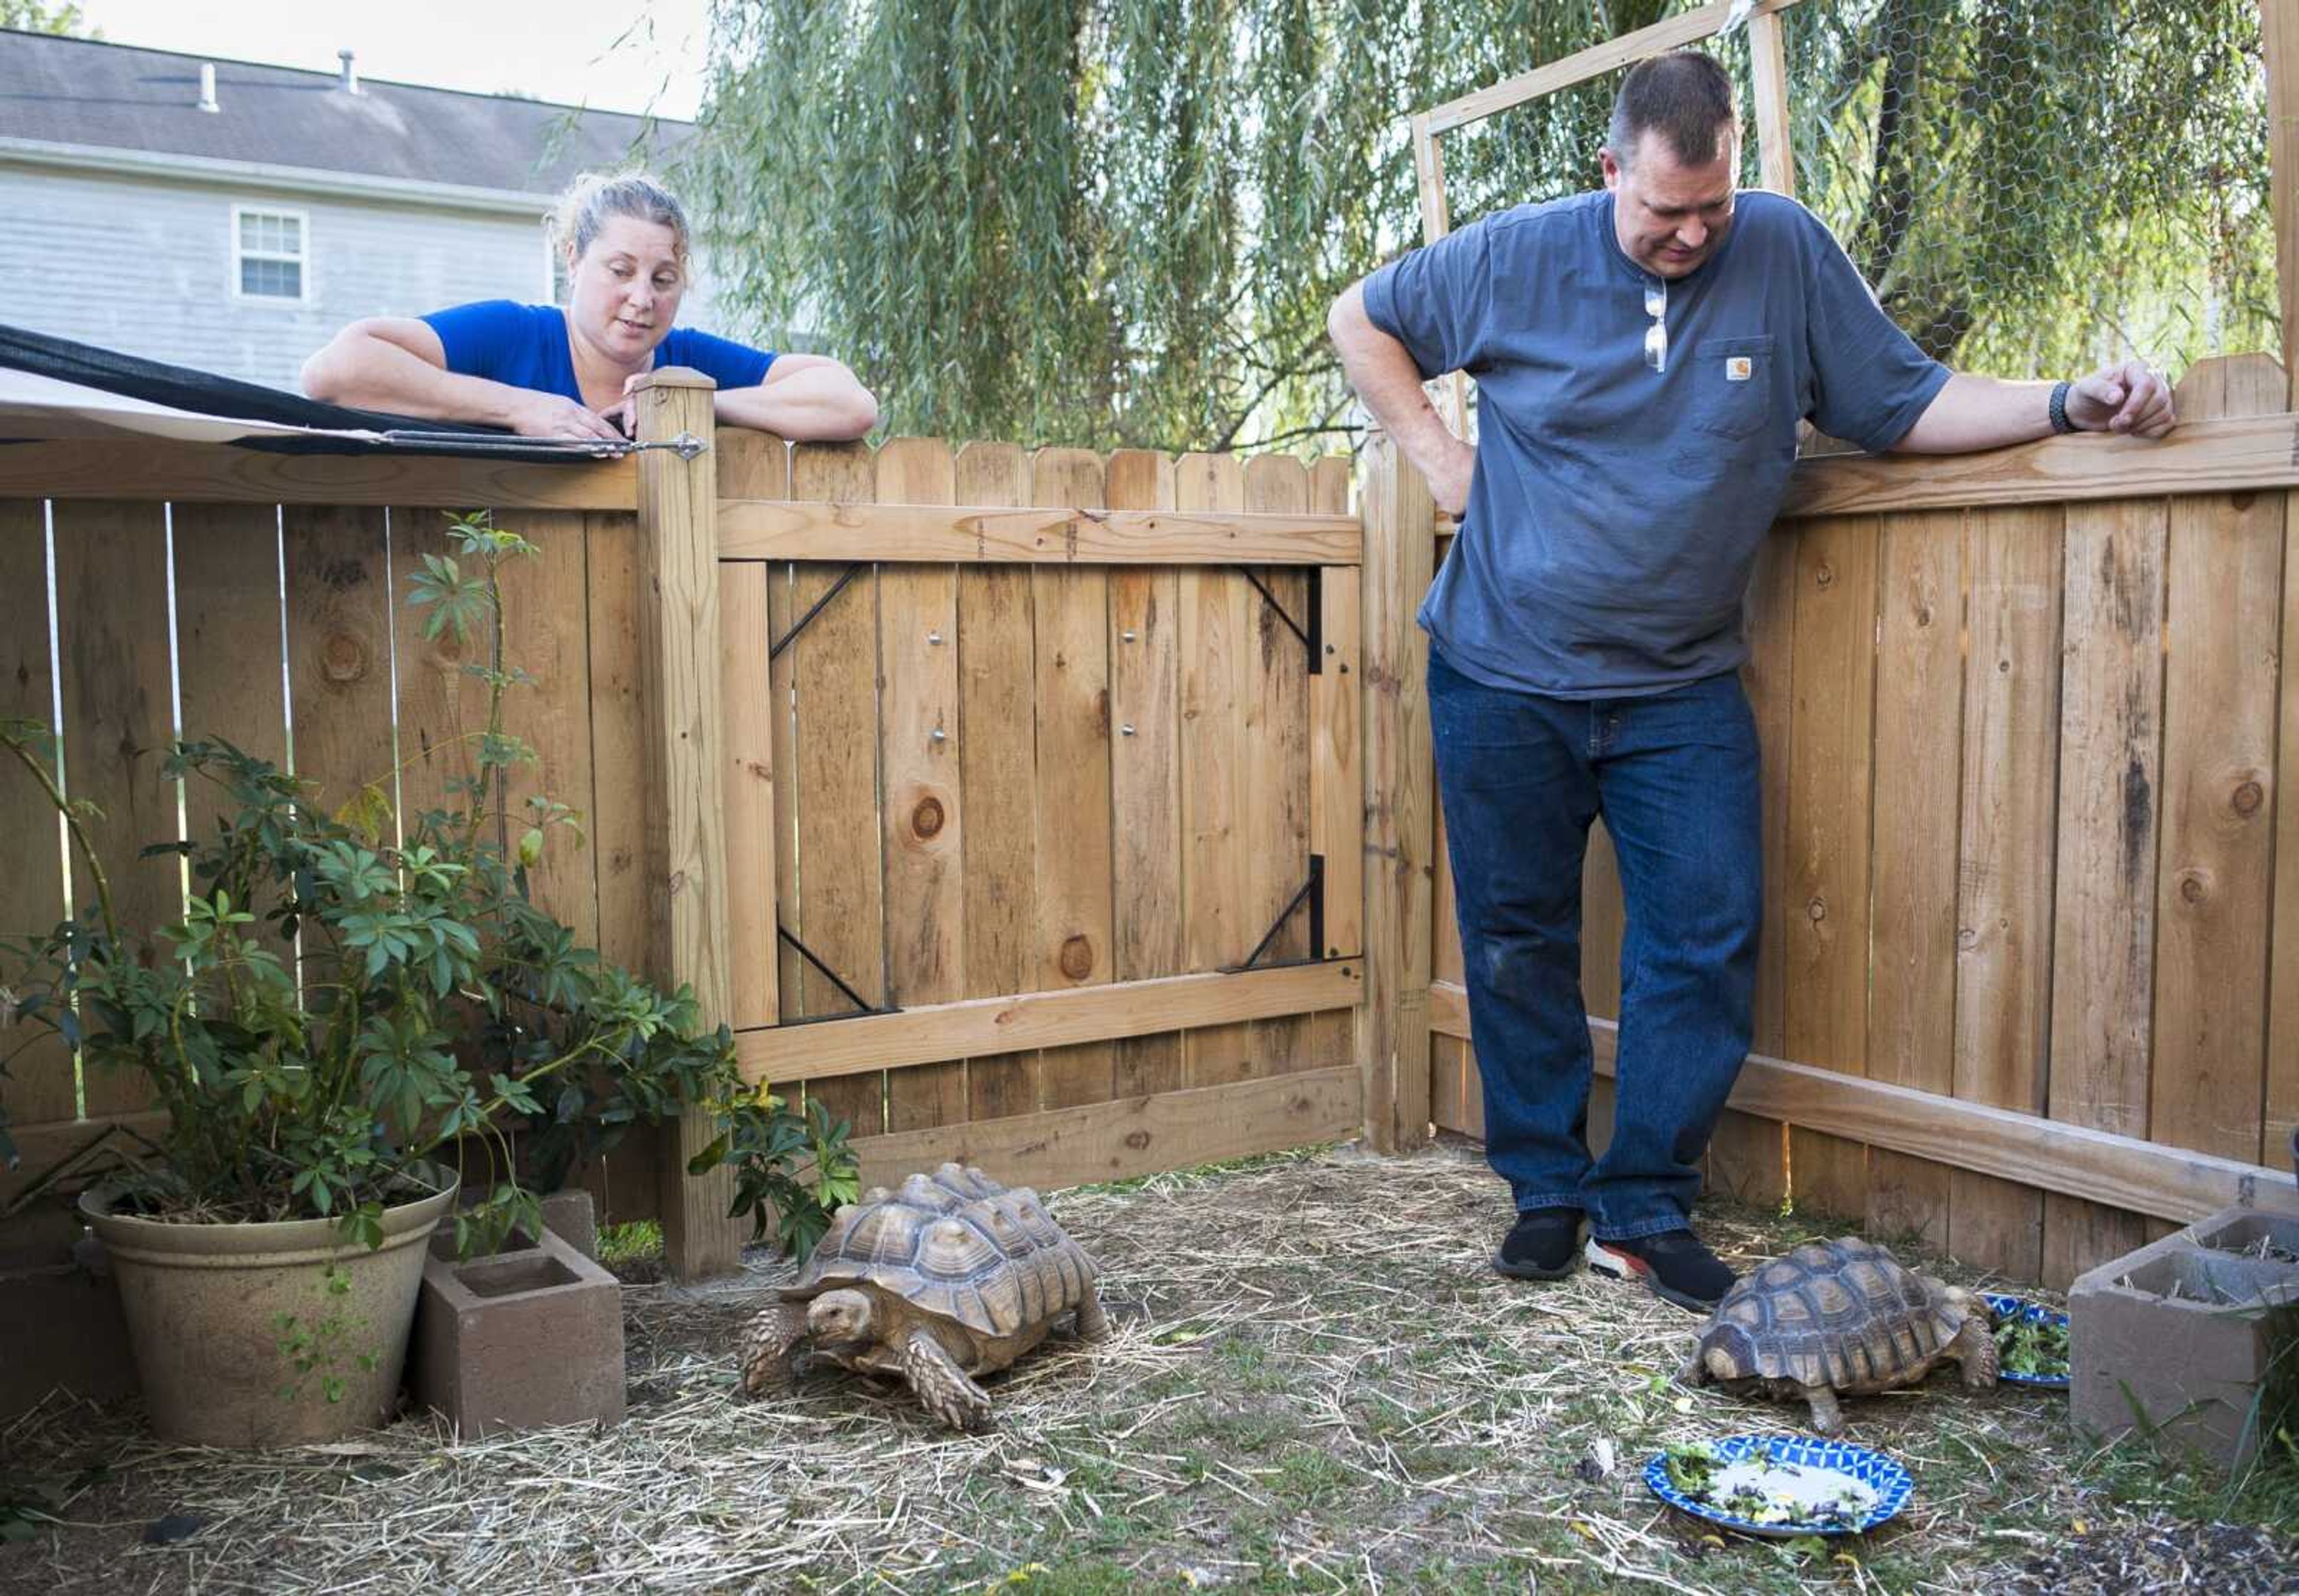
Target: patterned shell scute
(1841, 1313)
(955, 1243)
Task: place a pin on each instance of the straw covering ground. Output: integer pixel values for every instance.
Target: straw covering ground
(1314, 1382)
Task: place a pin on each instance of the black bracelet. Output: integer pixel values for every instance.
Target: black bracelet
(2059, 407)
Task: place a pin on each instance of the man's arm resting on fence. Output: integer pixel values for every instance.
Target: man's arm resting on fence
(1386, 379)
(1988, 412)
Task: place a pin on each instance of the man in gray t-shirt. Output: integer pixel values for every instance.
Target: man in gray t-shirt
(1643, 355)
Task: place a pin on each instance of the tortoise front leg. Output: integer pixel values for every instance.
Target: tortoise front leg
(1827, 1418)
(1975, 1352)
(1093, 1324)
(949, 1394)
(770, 1347)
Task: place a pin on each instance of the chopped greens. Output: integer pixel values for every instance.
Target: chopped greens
(2032, 1346)
(1692, 1469)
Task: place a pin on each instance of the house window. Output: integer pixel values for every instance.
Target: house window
(269, 254)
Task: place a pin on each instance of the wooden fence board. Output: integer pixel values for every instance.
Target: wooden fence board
(2215, 877)
(1049, 535)
(997, 714)
(1337, 778)
(227, 638)
(1748, 1158)
(119, 702)
(2110, 807)
(1831, 746)
(42, 1083)
(1215, 639)
(1145, 771)
(2008, 802)
(1919, 740)
(1071, 609)
(1275, 815)
(841, 906)
(924, 815)
(755, 691)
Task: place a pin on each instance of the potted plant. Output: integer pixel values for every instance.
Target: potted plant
(339, 1023)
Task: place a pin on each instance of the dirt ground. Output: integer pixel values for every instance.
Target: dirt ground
(1315, 1383)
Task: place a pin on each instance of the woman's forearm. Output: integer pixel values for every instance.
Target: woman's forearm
(820, 404)
(367, 372)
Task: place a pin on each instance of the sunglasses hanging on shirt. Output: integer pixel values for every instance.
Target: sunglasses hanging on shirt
(1657, 335)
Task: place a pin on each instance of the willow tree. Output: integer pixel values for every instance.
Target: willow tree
(1121, 221)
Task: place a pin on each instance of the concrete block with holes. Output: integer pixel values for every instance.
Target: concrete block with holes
(522, 1339)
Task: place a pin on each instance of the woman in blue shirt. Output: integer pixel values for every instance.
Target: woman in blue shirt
(544, 372)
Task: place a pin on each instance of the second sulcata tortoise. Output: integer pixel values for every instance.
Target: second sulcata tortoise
(1840, 1318)
(951, 1276)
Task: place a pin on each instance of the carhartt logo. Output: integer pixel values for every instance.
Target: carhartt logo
(1740, 369)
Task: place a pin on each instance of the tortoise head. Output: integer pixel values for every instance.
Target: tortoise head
(840, 1318)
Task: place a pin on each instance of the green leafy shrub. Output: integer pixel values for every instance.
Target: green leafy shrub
(337, 1010)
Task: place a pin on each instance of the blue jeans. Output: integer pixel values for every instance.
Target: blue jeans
(1674, 775)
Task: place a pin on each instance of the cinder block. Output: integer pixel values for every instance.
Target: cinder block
(60, 1323)
(573, 1215)
(519, 1339)
(2178, 1334)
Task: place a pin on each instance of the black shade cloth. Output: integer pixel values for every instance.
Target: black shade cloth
(180, 387)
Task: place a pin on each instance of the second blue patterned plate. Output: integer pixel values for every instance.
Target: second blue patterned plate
(1802, 1486)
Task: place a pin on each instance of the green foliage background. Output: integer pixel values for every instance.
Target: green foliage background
(1120, 222)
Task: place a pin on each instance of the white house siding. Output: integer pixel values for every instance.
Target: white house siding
(146, 267)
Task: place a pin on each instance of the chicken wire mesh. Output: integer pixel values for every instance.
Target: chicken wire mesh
(2032, 187)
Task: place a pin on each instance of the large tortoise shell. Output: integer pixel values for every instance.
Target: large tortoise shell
(1841, 1313)
(958, 1245)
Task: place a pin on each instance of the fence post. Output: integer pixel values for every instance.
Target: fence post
(1400, 548)
(685, 807)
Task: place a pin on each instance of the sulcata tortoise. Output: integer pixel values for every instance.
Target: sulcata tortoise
(950, 1277)
(1840, 1318)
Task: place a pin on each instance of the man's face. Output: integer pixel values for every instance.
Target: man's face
(1671, 215)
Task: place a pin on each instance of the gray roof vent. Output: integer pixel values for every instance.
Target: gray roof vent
(351, 71)
(207, 87)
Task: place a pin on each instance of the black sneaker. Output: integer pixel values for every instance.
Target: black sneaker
(1541, 1245)
(1675, 1264)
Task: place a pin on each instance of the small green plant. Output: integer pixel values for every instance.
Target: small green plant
(436, 1009)
(2030, 1346)
(317, 1347)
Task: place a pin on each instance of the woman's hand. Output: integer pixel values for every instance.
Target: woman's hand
(547, 415)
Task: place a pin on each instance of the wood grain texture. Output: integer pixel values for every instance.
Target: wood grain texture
(119, 702)
(1400, 799)
(2126, 1172)
(1276, 818)
(1831, 745)
(923, 811)
(686, 766)
(2199, 457)
(1073, 782)
(1673, 33)
(2007, 857)
(1748, 1158)
(1026, 1022)
(1919, 713)
(1215, 645)
(1044, 535)
(1131, 1136)
(839, 912)
(43, 1081)
(155, 469)
(997, 715)
(1145, 771)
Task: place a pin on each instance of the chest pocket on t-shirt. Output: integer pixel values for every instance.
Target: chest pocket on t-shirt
(1731, 385)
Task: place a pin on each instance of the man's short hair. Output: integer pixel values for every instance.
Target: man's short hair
(1685, 96)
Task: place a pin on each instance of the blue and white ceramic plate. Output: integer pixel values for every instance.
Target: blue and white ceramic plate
(2001, 1308)
(1864, 1486)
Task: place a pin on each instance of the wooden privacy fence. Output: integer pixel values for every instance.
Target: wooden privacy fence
(2029, 980)
(1029, 753)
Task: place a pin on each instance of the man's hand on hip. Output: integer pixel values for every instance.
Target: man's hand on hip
(2121, 398)
(1448, 482)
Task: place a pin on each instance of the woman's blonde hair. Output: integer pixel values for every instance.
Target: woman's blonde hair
(593, 197)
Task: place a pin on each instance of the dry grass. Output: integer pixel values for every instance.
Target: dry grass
(1315, 1383)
